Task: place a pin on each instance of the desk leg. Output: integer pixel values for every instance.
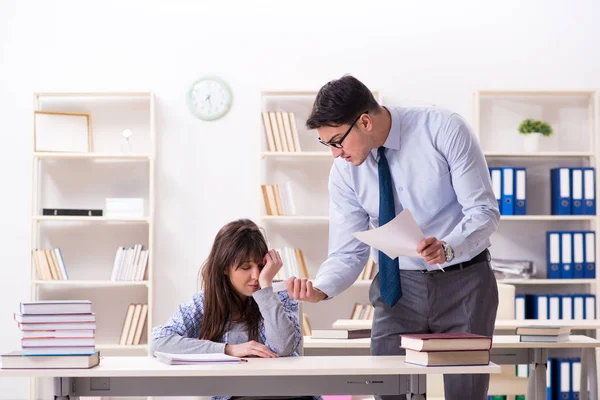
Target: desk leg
(62, 389)
(592, 373)
(536, 384)
(418, 386)
(585, 375)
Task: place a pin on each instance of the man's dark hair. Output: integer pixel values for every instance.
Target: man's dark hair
(340, 102)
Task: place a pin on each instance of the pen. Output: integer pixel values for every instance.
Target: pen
(243, 360)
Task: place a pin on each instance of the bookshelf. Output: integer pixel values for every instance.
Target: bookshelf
(308, 172)
(84, 180)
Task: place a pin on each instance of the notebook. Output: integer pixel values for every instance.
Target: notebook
(188, 359)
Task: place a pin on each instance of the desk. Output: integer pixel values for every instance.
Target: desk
(506, 349)
(501, 324)
(294, 376)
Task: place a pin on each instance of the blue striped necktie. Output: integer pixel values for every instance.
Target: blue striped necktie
(389, 271)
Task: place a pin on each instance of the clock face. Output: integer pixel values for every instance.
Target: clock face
(209, 98)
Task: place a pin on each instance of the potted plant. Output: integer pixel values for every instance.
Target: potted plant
(533, 130)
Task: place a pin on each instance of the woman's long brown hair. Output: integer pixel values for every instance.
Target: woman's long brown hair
(236, 242)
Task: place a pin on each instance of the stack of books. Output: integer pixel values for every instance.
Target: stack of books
(341, 333)
(543, 333)
(60, 328)
(443, 349)
(63, 332)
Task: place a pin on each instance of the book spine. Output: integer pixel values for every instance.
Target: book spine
(72, 212)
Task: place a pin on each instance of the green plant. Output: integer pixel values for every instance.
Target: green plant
(534, 126)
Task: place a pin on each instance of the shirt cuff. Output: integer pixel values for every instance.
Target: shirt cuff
(460, 246)
(265, 297)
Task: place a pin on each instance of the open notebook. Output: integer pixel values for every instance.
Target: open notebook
(188, 359)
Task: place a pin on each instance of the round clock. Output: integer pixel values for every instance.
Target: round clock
(209, 98)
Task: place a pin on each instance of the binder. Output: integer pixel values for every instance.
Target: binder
(496, 177)
(566, 307)
(590, 255)
(575, 378)
(590, 306)
(589, 191)
(520, 191)
(553, 257)
(578, 255)
(554, 310)
(520, 307)
(566, 266)
(549, 379)
(540, 307)
(560, 199)
(564, 379)
(578, 307)
(508, 192)
(576, 191)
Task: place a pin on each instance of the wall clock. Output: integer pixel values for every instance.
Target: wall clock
(209, 98)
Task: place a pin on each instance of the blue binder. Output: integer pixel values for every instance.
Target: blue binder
(575, 378)
(578, 254)
(560, 199)
(576, 191)
(496, 178)
(589, 191)
(554, 307)
(566, 307)
(540, 307)
(508, 191)
(590, 255)
(590, 306)
(520, 191)
(566, 252)
(563, 369)
(553, 257)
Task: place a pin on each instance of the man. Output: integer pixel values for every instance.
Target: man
(427, 161)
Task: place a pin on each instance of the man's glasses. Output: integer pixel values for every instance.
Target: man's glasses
(338, 143)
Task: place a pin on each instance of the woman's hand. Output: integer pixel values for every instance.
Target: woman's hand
(273, 264)
(250, 348)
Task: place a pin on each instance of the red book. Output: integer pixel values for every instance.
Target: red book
(446, 342)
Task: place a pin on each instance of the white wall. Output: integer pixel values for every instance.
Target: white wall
(413, 52)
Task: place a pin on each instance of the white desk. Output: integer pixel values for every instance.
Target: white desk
(506, 349)
(294, 376)
(501, 324)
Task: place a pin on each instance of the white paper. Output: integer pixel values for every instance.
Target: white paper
(399, 237)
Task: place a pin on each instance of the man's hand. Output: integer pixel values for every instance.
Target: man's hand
(432, 251)
(273, 263)
(302, 289)
(250, 348)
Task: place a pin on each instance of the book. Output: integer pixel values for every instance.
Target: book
(187, 359)
(57, 307)
(543, 330)
(341, 333)
(544, 338)
(444, 358)
(57, 326)
(446, 341)
(57, 342)
(72, 212)
(44, 318)
(58, 351)
(16, 360)
(79, 333)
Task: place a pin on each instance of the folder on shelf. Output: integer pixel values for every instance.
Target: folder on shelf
(560, 198)
(576, 191)
(554, 304)
(563, 369)
(496, 178)
(590, 255)
(549, 371)
(578, 307)
(566, 307)
(508, 192)
(553, 257)
(566, 261)
(589, 191)
(540, 307)
(520, 191)
(575, 378)
(520, 307)
(578, 255)
(590, 306)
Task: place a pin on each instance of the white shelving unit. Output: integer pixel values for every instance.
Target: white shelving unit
(308, 170)
(84, 180)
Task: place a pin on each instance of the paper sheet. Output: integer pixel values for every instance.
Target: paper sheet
(399, 237)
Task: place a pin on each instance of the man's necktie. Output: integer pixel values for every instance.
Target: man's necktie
(389, 272)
